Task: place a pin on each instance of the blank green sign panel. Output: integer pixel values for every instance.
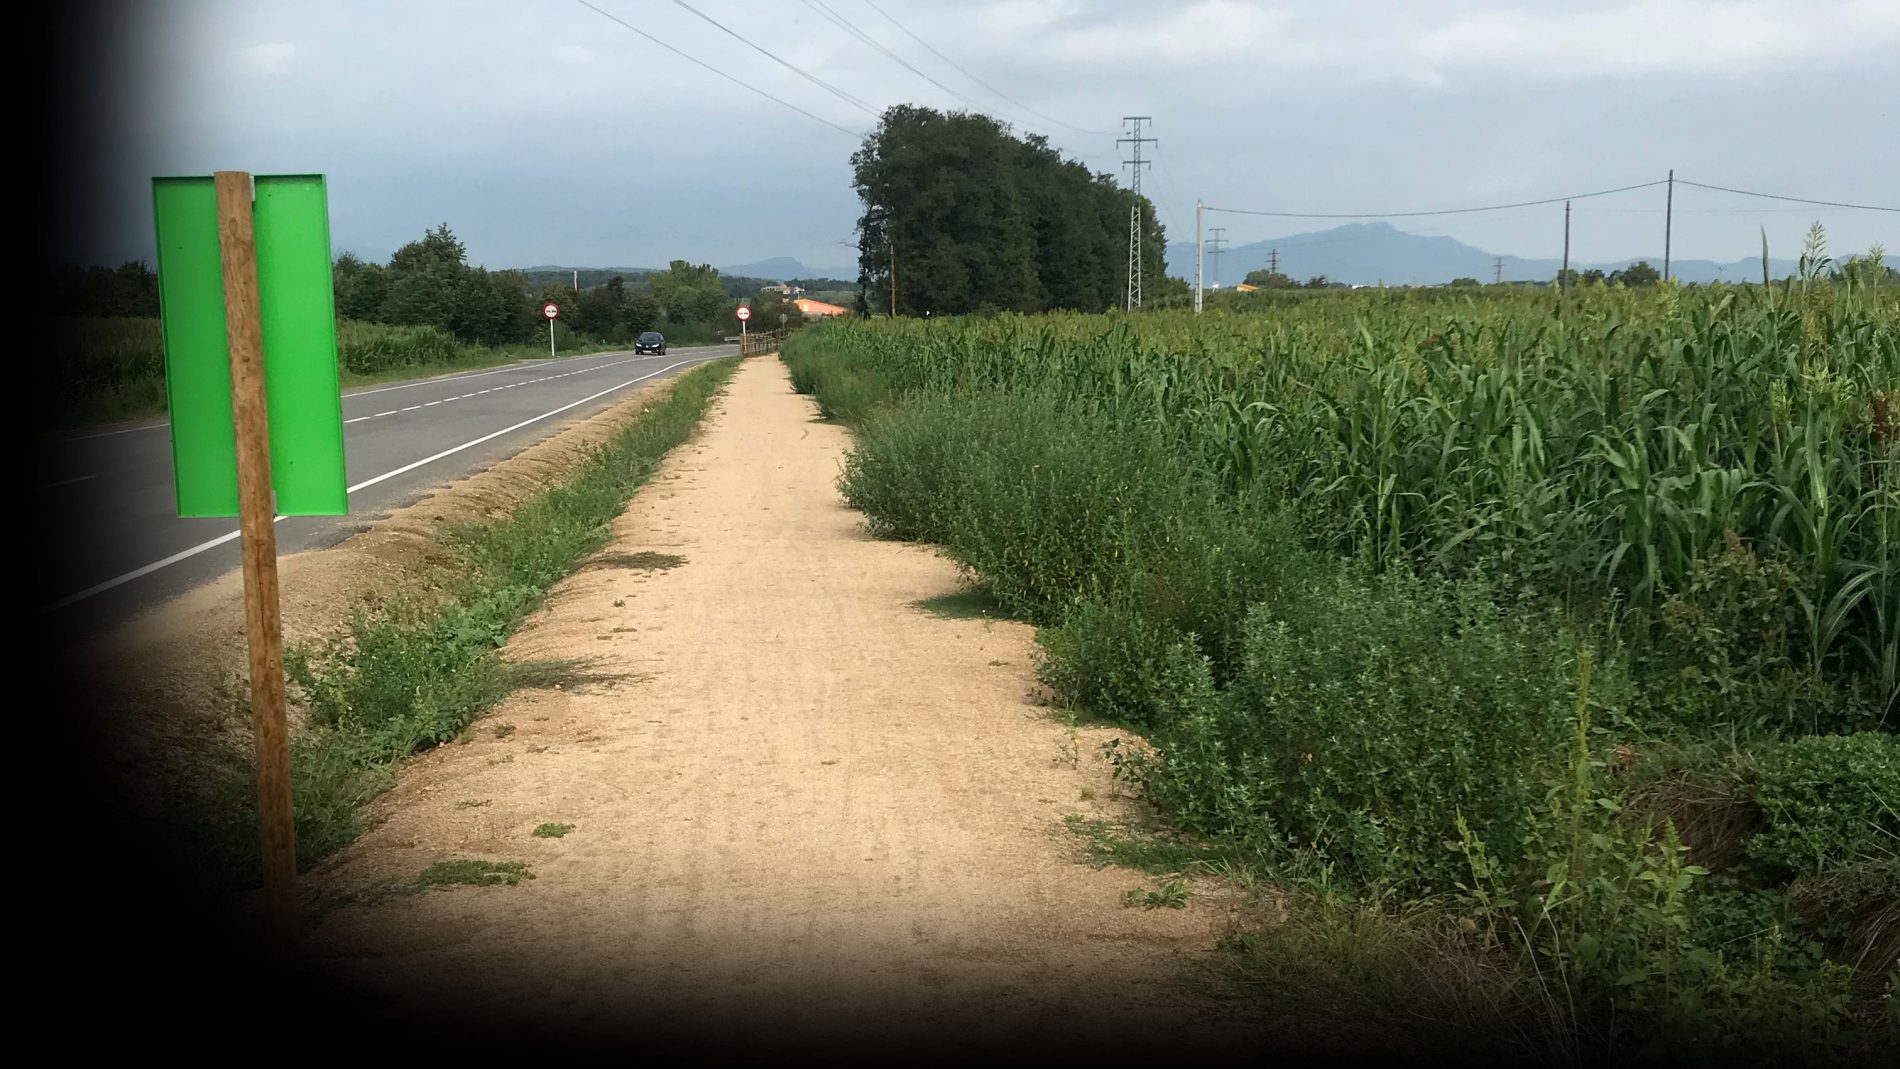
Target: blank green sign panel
(290, 216)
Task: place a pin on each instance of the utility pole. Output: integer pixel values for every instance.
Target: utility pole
(1273, 261)
(1563, 276)
(1497, 277)
(577, 280)
(893, 280)
(1217, 243)
(1200, 259)
(1669, 212)
(1133, 124)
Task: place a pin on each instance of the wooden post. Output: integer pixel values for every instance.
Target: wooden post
(1669, 218)
(1563, 276)
(256, 522)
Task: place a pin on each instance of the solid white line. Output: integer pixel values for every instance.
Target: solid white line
(365, 393)
(518, 426)
(108, 434)
(69, 482)
(221, 540)
(147, 570)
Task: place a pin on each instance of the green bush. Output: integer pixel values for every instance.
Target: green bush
(904, 474)
(1720, 654)
(1829, 800)
(1113, 661)
(1368, 716)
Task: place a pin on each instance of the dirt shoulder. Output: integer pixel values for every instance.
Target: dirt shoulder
(809, 807)
(173, 678)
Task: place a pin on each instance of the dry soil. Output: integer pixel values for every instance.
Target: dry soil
(811, 810)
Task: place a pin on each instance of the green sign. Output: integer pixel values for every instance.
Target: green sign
(291, 220)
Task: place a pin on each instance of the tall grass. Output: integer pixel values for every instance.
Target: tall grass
(1602, 457)
(1449, 601)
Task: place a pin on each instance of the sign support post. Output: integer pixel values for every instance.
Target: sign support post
(553, 312)
(263, 626)
(244, 270)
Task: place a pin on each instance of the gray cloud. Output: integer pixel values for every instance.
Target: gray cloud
(545, 133)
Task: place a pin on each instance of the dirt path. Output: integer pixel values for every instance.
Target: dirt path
(814, 809)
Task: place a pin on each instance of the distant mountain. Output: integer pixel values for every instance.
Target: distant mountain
(1370, 253)
(785, 268)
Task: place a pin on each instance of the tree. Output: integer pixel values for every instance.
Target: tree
(980, 220)
(1269, 280)
(690, 293)
(131, 289)
(1637, 274)
(767, 308)
(358, 286)
(1462, 283)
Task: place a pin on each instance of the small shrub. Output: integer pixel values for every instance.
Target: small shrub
(1829, 800)
(1116, 663)
(1368, 714)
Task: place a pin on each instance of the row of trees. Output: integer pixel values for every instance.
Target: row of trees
(429, 281)
(1275, 280)
(975, 219)
(131, 289)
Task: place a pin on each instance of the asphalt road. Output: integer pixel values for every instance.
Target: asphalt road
(115, 544)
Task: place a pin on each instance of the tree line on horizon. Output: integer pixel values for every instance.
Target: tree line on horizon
(429, 282)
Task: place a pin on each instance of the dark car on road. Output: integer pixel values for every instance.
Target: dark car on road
(651, 342)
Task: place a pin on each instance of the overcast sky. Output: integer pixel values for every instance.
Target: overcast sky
(542, 132)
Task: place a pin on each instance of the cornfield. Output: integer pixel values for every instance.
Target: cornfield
(1599, 454)
(1498, 604)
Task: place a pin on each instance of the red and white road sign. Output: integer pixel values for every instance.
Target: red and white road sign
(743, 313)
(551, 310)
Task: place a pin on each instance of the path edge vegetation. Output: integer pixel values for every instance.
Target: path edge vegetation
(413, 670)
(1544, 901)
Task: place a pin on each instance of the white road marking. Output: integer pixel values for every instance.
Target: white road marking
(100, 588)
(379, 389)
(517, 365)
(108, 434)
(518, 426)
(69, 482)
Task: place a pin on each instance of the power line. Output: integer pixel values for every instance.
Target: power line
(979, 81)
(720, 73)
(802, 73)
(1444, 211)
(1797, 200)
(844, 24)
(1552, 200)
